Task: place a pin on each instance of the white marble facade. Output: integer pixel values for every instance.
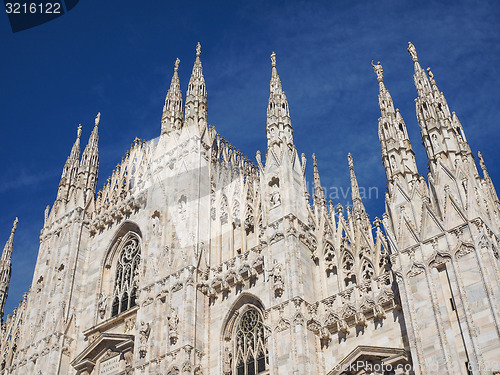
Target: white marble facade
(192, 259)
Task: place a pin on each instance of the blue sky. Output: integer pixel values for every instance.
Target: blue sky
(117, 58)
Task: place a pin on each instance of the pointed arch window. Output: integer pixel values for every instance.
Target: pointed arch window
(251, 354)
(126, 278)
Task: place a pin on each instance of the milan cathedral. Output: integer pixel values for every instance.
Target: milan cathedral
(192, 259)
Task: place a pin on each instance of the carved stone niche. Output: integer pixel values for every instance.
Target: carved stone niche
(108, 354)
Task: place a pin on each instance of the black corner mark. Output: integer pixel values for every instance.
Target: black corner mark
(25, 14)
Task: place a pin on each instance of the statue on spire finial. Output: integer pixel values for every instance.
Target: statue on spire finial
(412, 51)
(176, 65)
(349, 159)
(98, 119)
(379, 71)
(79, 131)
(14, 225)
(273, 59)
(198, 49)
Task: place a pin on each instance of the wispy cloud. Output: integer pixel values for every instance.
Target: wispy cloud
(25, 179)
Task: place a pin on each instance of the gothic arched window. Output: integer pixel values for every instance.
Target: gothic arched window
(127, 271)
(251, 355)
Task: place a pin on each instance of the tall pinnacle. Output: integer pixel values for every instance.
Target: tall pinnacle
(397, 154)
(172, 110)
(384, 97)
(275, 79)
(196, 96)
(7, 250)
(357, 204)
(442, 134)
(71, 166)
(70, 170)
(420, 77)
(319, 194)
(75, 150)
(279, 126)
(89, 165)
(6, 267)
(92, 146)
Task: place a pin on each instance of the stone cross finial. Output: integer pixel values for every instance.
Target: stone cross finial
(79, 131)
(198, 49)
(273, 59)
(176, 65)
(412, 51)
(379, 71)
(97, 119)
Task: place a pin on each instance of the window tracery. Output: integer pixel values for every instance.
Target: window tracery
(251, 354)
(348, 268)
(367, 271)
(126, 279)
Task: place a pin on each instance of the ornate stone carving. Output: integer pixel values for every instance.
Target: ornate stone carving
(277, 279)
(226, 359)
(282, 325)
(129, 323)
(144, 331)
(173, 322)
(102, 305)
(464, 249)
(415, 269)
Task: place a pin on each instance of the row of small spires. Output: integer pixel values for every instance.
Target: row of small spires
(274, 85)
(276, 89)
(378, 70)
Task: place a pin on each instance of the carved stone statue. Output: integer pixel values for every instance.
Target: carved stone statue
(173, 322)
(155, 222)
(275, 275)
(379, 71)
(273, 59)
(412, 51)
(144, 332)
(226, 366)
(275, 199)
(102, 304)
